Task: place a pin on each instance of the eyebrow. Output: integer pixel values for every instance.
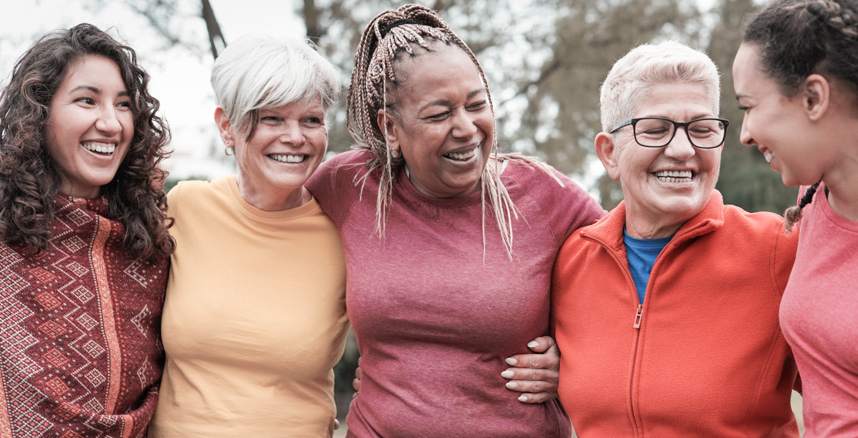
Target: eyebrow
(447, 101)
(96, 90)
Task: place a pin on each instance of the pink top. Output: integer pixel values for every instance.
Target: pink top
(434, 319)
(818, 316)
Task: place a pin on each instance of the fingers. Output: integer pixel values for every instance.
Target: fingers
(531, 375)
(547, 355)
(540, 397)
(535, 375)
(541, 344)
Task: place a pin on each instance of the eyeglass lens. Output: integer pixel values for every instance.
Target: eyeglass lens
(705, 133)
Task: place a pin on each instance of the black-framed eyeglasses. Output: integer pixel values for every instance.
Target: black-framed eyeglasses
(658, 132)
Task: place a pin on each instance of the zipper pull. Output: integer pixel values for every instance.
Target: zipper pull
(638, 316)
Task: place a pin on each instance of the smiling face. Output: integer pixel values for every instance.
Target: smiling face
(443, 124)
(90, 126)
(776, 124)
(663, 187)
(287, 146)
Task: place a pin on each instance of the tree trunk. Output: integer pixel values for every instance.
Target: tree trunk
(216, 39)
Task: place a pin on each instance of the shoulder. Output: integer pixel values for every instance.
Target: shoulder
(346, 160)
(195, 193)
(564, 204)
(761, 235)
(334, 172)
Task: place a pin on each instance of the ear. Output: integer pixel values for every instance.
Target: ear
(389, 128)
(606, 149)
(816, 96)
(224, 126)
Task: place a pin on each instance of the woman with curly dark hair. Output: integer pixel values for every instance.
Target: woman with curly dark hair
(83, 240)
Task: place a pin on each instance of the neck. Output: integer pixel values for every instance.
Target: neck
(271, 198)
(641, 226)
(843, 198)
(842, 179)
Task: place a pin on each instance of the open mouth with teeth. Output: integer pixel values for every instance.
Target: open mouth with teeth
(288, 158)
(100, 148)
(674, 176)
(461, 156)
(769, 155)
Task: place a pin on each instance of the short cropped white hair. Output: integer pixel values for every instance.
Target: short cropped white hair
(634, 76)
(259, 71)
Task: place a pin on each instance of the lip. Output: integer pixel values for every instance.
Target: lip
(675, 176)
(473, 149)
(768, 154)
(305, 157)
(101, 148)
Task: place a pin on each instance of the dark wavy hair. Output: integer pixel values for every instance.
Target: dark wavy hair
(29, 181)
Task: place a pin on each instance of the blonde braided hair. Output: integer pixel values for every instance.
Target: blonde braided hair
(389, 33)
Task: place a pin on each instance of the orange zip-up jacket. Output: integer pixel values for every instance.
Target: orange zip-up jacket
(703, 356)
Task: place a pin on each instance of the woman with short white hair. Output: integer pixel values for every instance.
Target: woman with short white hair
(666, 310)
(254, 318)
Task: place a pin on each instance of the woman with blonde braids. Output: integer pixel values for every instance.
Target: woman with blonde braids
(796, 78)
(449, 245)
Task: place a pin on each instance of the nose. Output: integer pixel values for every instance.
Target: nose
(107, 121)
(745, 135)
(291, 134)
(680, 147)
(463, 124)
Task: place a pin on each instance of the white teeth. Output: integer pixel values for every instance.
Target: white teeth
(674, 176)
(288, 158)
(769, 156)
(461, 157)
(101, 148)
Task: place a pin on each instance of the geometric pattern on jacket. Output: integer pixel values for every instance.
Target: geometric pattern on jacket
(80, 352)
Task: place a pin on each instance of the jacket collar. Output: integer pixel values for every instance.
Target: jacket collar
(609, 229)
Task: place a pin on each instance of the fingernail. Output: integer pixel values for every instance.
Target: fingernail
(532, 344)
(522, 398)
(507, 374)
(511, 385)
(511, 361)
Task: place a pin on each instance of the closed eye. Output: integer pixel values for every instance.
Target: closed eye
(477, 106)
(439, 116)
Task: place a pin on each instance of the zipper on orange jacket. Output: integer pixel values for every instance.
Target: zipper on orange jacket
(636, 427)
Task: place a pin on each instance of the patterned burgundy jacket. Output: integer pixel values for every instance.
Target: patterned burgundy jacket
(80, 353)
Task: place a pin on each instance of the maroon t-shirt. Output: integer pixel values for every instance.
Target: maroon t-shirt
(436, 312)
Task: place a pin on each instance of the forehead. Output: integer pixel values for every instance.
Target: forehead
(748, 75)
(91, 68)
(429, 74)
(680, 101)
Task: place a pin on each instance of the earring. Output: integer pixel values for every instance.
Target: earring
(394, 153)
(229, 149)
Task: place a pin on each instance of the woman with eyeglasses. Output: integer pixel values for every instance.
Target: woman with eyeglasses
(666, 310)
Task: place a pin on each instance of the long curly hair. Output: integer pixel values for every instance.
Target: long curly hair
(29, 180)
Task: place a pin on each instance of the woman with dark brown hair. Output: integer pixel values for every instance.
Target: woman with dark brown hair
(796, 78)
(84, 246)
